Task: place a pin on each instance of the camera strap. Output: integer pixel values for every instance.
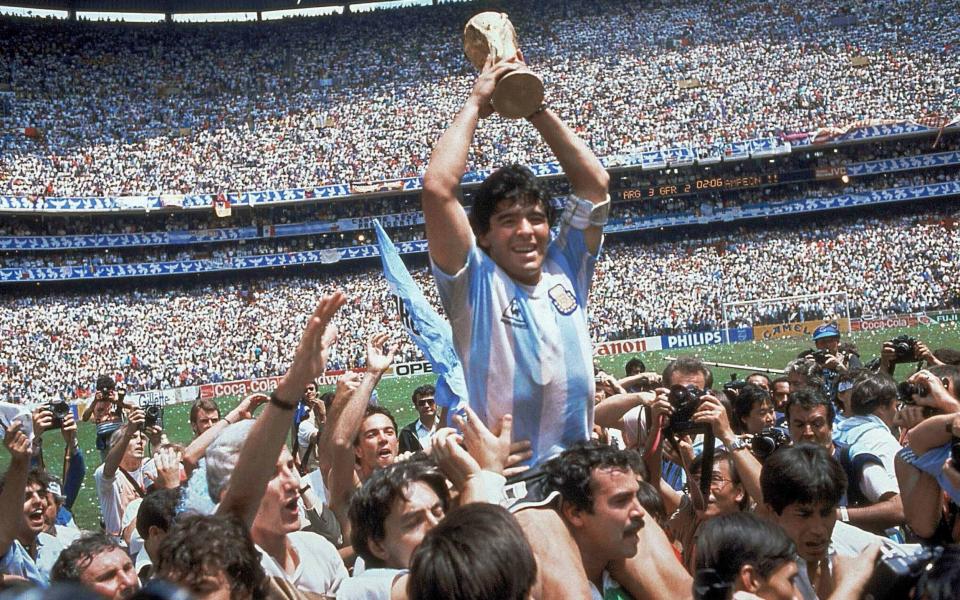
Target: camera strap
(136, 486)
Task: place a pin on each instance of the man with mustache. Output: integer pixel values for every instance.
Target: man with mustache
(598, 487)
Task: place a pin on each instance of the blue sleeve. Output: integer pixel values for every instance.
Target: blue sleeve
(931, 462)
(569, 251)
(73, 479)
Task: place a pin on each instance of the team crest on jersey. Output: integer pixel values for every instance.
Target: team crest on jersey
(563, 299)
(512, 315)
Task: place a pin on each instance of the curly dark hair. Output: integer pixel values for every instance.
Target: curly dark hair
(514, 182)
(569, 472)
(198, 546)
(75, 559)
(372, 503)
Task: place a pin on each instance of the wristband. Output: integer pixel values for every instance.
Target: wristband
(282, 405)
(580, 214)
(492, 484)
(844, 514)
(737, 444)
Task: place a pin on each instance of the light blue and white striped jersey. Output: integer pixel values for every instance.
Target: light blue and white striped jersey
(526, 350)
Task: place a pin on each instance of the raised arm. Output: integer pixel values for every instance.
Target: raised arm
(587, 176)
(447, 226)
(258, 457)
(15, 482)
(344, 424)
(115, 455)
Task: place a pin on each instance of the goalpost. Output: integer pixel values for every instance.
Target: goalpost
(825, 306)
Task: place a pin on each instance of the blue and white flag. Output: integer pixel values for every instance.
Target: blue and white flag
(428, 330)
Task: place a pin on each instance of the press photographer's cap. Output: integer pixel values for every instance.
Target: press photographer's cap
(105, 382)
(827, 330)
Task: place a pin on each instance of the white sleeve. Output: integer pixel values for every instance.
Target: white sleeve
(635, 427)
(304, 431)
(875, 481)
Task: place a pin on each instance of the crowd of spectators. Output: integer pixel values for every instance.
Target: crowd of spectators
(189, 335)
(136, 109)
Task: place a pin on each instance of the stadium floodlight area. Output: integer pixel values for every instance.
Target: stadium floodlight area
(823, 306)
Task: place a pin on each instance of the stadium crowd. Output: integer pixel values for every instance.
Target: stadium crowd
(52, 345)
(307, 102)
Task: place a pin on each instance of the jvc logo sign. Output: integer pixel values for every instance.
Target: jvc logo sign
(404, 315)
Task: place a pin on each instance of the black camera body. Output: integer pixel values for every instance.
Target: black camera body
(906, 391)
(768, 441)
(905, 349)
(152, 414)
(895, 575)
(60, 410)
(820, 356)
(684, 399)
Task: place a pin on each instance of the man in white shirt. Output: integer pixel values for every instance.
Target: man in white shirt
(121, 479)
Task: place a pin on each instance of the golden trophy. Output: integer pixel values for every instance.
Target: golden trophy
(518, 94)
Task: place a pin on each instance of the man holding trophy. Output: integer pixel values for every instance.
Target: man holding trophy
(517, 302)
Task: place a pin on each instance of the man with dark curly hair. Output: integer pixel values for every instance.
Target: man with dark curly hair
(212, 557)
(97, 562)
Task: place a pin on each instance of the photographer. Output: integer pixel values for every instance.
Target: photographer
(923, 470)
(107, 411)
(905, 349)
(122, 478)
(49, 417)
(307, 431)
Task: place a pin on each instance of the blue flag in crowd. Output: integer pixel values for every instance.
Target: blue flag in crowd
(430, 332)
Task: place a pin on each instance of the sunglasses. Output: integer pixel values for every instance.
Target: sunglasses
(423, 402)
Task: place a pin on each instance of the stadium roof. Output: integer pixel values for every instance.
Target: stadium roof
(176, 6)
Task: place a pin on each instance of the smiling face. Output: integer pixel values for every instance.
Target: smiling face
(611, 529)
(34, 511)
(279, 511)
(410, 518)
(725, 494)
(517, 239)
(377, 444)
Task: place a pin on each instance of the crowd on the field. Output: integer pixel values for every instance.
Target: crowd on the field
(150, 109)
(810, 474)
(52, 344)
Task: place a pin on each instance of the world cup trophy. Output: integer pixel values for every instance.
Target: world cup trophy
(518, 94)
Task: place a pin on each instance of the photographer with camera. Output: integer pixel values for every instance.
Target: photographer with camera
(923, 469)
(107, 411)
(905, 349)
(733, 477)
(122, 477)
(57, 415)
(753, 410)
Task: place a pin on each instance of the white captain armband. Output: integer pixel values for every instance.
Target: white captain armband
(580, 213)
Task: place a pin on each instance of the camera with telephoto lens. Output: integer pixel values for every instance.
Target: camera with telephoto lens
(684, 399)
(896, 574)
(59, 410)
(904, 348)
(820, 356)
(733, 387)
(768, 441)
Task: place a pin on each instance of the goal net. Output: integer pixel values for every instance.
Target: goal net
(788, 316)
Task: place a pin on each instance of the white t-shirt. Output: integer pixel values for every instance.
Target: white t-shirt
(116, 493)
(373, 584)
(305, 431)
(320, 569)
